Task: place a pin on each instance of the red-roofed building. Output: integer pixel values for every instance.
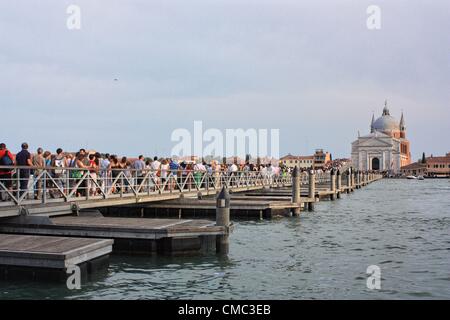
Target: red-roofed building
(434, 167)
(438, 166)
(302, 162)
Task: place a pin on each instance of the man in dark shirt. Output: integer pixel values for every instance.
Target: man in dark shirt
(23, 158)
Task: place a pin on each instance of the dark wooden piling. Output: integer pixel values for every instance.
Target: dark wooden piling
(223, 220)
(358, 179)
(311, 190)
(332, 184)
(296, 190)
(349, 180)
(339, 183)
(352, 180)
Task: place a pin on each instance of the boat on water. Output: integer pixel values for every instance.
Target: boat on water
(420, 178)
(411, 177)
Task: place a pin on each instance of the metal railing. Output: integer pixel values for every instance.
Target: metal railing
(320, 177)
(21, 185)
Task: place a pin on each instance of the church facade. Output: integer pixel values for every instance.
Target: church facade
(385, 148)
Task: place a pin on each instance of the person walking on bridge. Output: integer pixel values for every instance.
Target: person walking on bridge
(38, 162)
(6, 159)
(174, 168)
(23, 158)
(138, 168)
(59, 162)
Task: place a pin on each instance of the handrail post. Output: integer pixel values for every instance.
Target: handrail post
(149, 178)
(67, 188)
(121, 185)
(18, 184)
(189, 181)
(44, 187)
(88, 185)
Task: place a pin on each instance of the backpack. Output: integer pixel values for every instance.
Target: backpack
(6, 159)
(173, 166)
(75, 174)
(59, 163)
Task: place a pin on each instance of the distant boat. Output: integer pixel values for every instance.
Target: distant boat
(411, 177)
(420, 178)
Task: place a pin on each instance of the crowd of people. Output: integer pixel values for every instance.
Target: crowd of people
(338, 164)
(109, 173)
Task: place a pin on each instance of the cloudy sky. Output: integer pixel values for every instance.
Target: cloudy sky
(309, 68)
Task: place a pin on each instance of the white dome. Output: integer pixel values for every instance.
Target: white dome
(386, 123)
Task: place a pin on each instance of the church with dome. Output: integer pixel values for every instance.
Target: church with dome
(385, 148)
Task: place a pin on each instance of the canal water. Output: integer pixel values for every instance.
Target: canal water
(401, 226)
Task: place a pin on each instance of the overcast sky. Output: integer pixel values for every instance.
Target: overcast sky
(309, 68)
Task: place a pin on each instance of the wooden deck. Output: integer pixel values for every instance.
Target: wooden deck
(236, 204)
(240, 206)
(131, 235)
(114, 228)
(284, 194)
(50, 252)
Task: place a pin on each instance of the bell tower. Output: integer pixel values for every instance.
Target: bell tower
(402, 127)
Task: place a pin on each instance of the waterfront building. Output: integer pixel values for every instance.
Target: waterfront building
(321, 159)
(433, 167)
(385, 148)
(302, 162)
(414, 169)
(438, 166)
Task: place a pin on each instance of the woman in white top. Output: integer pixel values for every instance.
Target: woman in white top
(165, 167)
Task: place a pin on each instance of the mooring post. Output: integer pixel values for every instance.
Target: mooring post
(361, 179)
(332, 184)
(352, 180)
(349, 180)
(357, 185)
(339, 183)
(312, 190)
(223, 220)
(296, 190)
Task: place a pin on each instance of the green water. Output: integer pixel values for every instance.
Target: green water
(402, 226)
